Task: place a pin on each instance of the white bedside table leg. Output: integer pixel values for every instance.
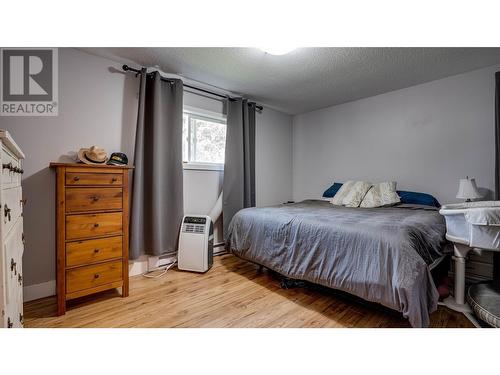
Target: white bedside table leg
(459, 280)
(457, 302)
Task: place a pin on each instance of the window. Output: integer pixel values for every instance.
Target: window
(204, 141)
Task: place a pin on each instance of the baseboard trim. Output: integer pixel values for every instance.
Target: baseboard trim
(37, 291)
(138, 267)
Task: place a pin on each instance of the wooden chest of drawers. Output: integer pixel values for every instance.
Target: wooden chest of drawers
(92, 216)
(11, 233)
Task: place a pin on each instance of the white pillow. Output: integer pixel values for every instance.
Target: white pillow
(341, 193)
(356, 194)
(382, 194)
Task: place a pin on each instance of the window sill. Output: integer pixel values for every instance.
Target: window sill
(203, 166)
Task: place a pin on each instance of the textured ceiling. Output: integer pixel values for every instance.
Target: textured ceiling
(308, 78)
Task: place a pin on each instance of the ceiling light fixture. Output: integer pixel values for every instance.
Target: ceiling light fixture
(277, 51)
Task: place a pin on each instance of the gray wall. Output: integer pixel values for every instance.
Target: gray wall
(98, 105)
(94, 108)
(424, 137)
(273, 158)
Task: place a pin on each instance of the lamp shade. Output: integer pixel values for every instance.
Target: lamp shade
(468, 189)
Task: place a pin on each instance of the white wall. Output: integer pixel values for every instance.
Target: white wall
(98, 105)
(424, 137)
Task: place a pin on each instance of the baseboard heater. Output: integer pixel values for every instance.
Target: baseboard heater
(155, 262)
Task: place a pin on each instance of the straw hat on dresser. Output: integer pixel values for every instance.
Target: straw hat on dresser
(93, 155)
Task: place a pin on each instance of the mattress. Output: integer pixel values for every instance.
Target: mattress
(382, 255)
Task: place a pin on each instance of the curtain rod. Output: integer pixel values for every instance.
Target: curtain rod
(137, 71)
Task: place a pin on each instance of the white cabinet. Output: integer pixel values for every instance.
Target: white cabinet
(11, 233)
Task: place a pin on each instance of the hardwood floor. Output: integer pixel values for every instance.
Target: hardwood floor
(234, 293)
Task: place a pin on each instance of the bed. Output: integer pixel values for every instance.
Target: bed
(382, 255)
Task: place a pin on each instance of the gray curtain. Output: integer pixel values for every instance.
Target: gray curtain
(157, 193)
(238, 187)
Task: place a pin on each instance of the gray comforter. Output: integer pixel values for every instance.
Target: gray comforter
(379, 254)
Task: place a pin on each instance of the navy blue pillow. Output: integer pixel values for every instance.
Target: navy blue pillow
(412, 197)
(408, 197)
(332, 190)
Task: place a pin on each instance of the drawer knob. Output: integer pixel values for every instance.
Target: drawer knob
(114, 179)
(96, 276)
(96, 250)
(6, 211)
(13, 265)
(95, 198)
(76, 178)
(96, 225)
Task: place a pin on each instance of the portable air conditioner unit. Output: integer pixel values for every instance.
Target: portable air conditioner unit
(196, 244)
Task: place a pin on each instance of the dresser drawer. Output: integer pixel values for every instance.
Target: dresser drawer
(14, 249)
(92, 225)
(101, 179)
(93, 199)
(476, 271)
(12, 207)
(93, 251)
(10, 177)
(13, 277)
(93, 276)
(484, 270)
(483, 256)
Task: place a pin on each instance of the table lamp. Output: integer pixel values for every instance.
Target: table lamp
(467, 189)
